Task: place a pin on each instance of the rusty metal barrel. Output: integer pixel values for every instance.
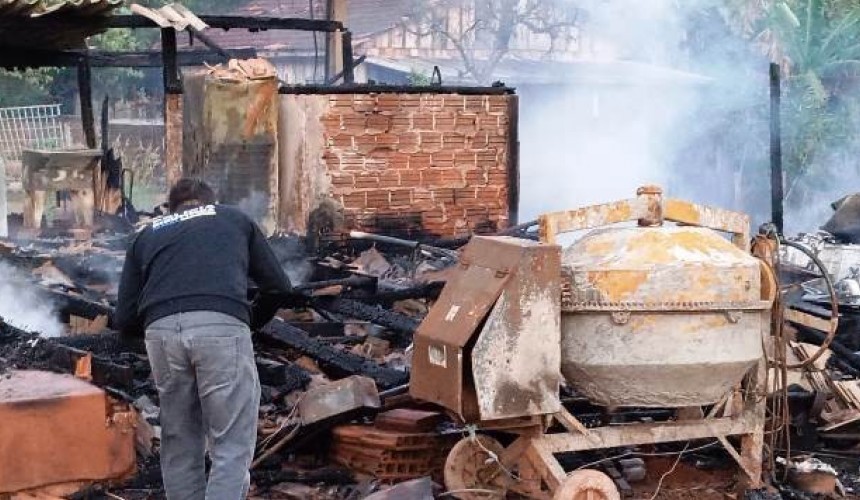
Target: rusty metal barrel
(659, 315)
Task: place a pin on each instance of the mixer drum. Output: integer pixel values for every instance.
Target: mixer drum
(659, 316)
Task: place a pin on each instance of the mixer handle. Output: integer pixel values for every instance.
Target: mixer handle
(649, 209)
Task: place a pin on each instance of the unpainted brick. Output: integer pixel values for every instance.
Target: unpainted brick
(477, 103)
(465, 193)
(409, 178)
(381, 154)
(376, 123)
(479, 141)
(409, 138)
(366, 181)
(465, 159)
(387, 139)
(498, 104)
(363, 103)
(342, 100)
(419, 160)
(399, 160)
(356, 199)
(339, 179)
(331, 121)
(432, 102)
(401, 122)
(401, 197)
(351, 161)
(410, 100)
(465, 128)
(431, 141)
(341, 141)
(476, 178)
(453, 141)
(353, 122)
(455, 102)
(388, 102)
(422, 122)
(444, 121)
(442, 157)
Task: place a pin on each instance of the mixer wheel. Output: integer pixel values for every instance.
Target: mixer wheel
(469, 466)
(587, 485)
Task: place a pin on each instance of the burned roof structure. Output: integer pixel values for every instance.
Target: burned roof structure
(52, 25)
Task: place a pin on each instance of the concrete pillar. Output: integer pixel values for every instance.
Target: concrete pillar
(337, 11)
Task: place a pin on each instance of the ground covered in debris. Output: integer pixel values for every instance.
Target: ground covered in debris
(352, 336)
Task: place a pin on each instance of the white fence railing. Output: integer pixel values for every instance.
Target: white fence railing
(37, 127)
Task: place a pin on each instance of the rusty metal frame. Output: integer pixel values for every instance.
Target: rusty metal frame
(542, 474)
(649, 208)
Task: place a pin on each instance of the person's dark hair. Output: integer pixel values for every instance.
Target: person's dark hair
(188, 189)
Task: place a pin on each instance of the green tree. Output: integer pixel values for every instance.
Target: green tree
(817, 44)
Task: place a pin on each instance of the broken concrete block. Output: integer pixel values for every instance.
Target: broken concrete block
(416, 489)
(348, 394)
(58, 429)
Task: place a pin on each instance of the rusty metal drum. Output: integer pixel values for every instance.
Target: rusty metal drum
(659, 316)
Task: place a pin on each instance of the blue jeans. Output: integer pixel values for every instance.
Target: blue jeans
(209, 391)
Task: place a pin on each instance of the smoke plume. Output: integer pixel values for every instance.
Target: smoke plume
(22, 307)
(656, 99)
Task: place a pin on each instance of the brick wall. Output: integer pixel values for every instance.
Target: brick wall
(413, 164)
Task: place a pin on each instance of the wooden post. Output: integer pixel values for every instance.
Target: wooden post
(776, 184)
(348, 64)
(172, 107)
(85, 91)
(336, 11)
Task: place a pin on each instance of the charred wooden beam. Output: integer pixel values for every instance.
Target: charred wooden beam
(104, 372)
(85, 92)
(287, 378)
(25, 58)
(69, 304)
(252, 23)
(327, 475)
(350, 282)
(845, 355)
(414, 245)
(430, 290)
(354, 309)
(320, 328)
(776, 180)
(330, 359)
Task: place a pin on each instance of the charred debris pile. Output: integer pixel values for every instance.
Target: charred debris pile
(336, 418)
(334, 371)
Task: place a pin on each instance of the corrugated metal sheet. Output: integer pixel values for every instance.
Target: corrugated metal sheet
(52, 24)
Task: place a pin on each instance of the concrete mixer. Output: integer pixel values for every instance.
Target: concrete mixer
(660, 305)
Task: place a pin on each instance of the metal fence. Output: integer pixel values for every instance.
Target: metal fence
(38, 127)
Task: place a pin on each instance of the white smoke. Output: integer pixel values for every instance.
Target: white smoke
(22, 307)
(630, 109)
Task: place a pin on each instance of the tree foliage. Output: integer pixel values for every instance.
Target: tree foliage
(817, 44)
(484, 32)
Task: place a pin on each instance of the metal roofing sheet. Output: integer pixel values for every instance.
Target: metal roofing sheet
(52, 24)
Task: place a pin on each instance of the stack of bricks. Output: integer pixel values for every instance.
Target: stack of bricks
(389, 455)
(438, 161)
